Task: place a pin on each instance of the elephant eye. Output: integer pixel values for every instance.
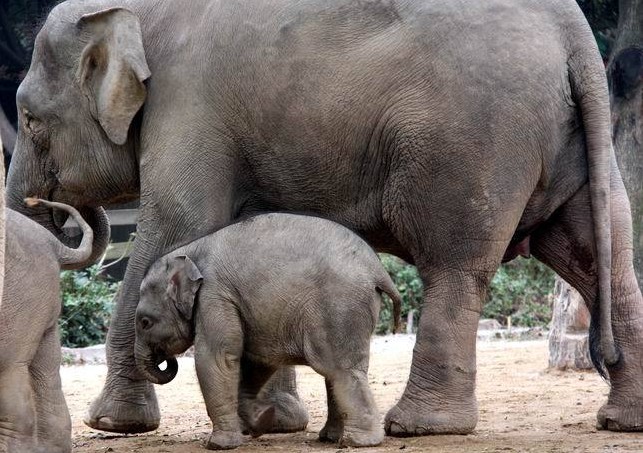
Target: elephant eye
(34, 127)
(145, 323)
(31, 122)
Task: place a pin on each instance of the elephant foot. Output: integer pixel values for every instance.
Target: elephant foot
(289, 416)
(259, 422)
(331, 433)
(421, 419)
(224, 440)
(20, 445)
(124, 406)
(361, 438)
(620, 418)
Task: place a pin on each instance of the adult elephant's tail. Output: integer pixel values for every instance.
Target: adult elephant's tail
(589, 90)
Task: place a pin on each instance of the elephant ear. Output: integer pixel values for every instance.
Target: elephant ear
(112, 69)
(185, 281)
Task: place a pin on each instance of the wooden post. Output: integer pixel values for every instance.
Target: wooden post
(409, 321)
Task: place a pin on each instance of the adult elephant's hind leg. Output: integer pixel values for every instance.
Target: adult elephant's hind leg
(566, 244)
(457, 235)
(440, 394)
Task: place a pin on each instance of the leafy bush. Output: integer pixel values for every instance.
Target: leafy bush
(521, 289)
(408, 283)
(87, 299)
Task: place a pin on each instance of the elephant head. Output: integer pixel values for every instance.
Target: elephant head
(77, 116)
(164, 321)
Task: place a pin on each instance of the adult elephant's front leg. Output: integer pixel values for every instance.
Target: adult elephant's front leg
(128, 402)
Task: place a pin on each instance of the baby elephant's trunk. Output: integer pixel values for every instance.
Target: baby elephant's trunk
(148, 364)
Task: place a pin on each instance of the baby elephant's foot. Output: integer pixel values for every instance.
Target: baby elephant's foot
(261, 421)
(224, 440)
(331, 433)
(362, 438)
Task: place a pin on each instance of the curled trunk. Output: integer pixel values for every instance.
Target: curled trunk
(148, 364)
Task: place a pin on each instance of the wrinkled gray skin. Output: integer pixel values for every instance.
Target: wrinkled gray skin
(2, 225)
(273, 290)
(452, 134)
(33, 413)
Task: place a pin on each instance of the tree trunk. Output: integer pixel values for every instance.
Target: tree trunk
(568, 338)
(625, 74)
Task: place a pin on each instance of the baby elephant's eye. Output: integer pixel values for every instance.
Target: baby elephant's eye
(145, 323)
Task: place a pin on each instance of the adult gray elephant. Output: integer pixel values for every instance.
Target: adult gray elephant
(452, 134)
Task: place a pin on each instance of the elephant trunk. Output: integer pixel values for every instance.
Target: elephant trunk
(148, 364)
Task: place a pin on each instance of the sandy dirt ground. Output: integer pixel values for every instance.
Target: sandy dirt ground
(523, 407)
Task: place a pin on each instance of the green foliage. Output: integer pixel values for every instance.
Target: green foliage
(408, 283)
(520, 289)
(86, 306)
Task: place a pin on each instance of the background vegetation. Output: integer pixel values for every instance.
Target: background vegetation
(87, 299)
(521, 289)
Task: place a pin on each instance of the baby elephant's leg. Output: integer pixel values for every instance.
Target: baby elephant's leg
(17, 417)
(341, 355)
(334, 427)
(355, 403)
(258, 417)
(217, 359)
(53, 422)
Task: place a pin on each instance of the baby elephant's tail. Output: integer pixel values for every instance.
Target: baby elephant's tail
(387, 286)
(68, 255)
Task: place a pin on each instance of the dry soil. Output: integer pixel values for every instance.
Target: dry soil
(523, 407)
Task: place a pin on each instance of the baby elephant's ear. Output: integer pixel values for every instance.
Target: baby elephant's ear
(185, 281)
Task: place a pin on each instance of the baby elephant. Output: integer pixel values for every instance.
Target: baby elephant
(33, 412)
(273, 290)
